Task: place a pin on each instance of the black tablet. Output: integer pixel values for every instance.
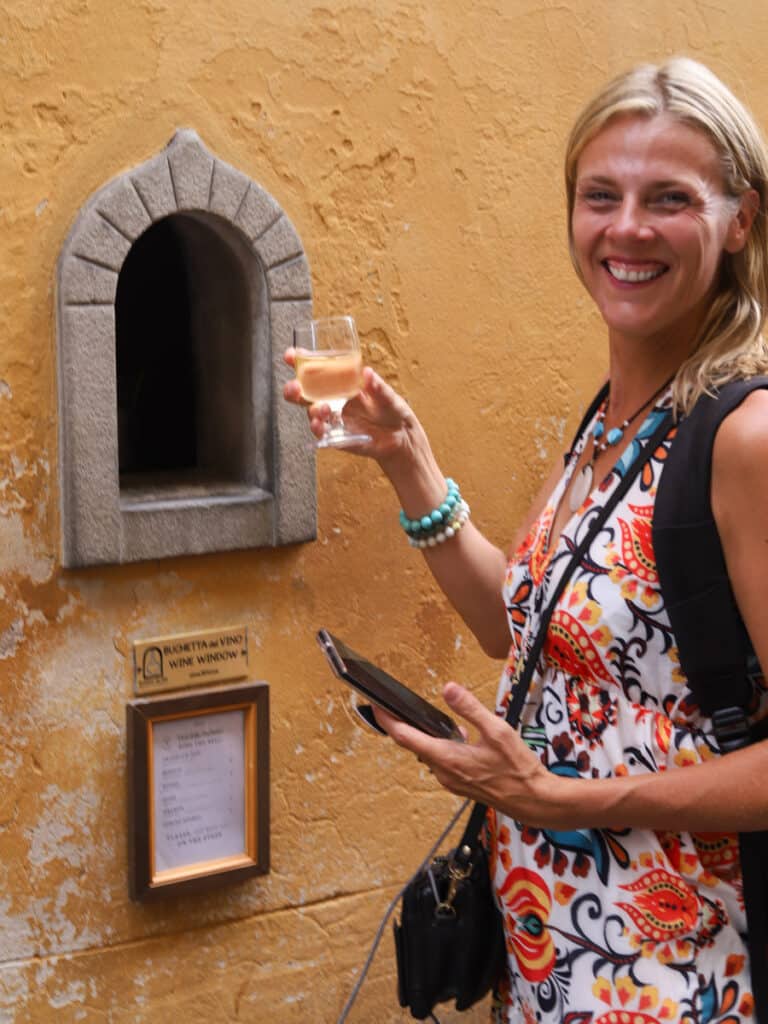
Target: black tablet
(386, 692)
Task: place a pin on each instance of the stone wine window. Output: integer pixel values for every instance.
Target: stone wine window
(178, 289)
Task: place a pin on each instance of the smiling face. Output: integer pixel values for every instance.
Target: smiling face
(650, 225)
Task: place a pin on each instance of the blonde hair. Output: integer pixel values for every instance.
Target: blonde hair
(730, 342)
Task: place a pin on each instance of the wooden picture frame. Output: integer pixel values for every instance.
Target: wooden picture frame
(198, 790)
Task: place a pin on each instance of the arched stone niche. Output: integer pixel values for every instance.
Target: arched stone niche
(178, 289)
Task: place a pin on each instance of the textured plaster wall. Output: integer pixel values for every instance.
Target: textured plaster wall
(415, 145)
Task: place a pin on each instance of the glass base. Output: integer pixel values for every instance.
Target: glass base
(341, 439)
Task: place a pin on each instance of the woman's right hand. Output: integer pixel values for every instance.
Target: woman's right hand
(469, 569)
(377, 411)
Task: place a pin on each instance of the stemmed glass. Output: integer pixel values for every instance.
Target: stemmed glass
(329, 368)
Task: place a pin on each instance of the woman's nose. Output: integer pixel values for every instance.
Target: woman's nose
(631, 220)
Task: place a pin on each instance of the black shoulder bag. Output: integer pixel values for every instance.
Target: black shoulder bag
(450, 939)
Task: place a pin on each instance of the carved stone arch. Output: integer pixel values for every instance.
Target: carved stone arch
(249, 285)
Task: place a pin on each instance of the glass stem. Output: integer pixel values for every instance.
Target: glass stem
(336, 423)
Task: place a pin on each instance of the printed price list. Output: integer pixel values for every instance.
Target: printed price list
(199, 788)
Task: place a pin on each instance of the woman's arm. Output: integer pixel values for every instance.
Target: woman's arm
(468, 568)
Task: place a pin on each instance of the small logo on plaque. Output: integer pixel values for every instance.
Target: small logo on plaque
(190, 659)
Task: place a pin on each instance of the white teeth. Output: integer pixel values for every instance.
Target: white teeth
(633, 275)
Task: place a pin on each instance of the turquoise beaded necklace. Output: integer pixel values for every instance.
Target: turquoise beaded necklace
(601, 442)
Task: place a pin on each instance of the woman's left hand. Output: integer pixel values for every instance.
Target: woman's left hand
(496, 768)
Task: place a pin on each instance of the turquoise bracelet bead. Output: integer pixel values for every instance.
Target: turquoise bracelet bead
(430, 524)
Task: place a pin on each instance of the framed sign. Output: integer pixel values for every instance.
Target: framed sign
(198, 790)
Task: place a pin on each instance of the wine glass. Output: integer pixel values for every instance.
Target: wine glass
(329, 368)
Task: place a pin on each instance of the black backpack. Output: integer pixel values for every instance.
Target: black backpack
(715, 651)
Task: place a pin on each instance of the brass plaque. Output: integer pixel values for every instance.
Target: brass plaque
(190, 659)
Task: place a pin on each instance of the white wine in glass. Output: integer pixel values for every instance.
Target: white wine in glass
(329, 368)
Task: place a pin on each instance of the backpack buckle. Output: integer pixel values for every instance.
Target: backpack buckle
(731, 728)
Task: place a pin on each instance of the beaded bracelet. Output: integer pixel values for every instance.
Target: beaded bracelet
(433, 520)
(441, 523)
(453, 526)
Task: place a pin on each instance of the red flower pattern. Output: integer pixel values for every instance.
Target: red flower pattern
(570, 647)
(663, 906)
(528, 903)
(636, 544)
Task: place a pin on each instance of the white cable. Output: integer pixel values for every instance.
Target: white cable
(388, 913)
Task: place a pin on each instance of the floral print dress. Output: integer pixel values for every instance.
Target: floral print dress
(612, 926)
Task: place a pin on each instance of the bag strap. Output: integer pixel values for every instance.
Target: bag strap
(471, 837)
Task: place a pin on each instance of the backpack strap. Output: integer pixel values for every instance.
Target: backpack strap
(715, 651)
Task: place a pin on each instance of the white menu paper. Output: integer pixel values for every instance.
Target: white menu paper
(198, 788)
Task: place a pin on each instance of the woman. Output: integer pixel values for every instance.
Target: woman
(666, 183)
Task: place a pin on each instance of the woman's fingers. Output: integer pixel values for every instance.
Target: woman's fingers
(377, 410)
(395, 726)
(496, 768)
(318, 414)
(418, 742)
(381, 401)
(470, 708)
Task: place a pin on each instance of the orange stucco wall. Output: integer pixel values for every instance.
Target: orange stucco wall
(416, 146)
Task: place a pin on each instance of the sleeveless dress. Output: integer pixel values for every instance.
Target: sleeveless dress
(612, 926)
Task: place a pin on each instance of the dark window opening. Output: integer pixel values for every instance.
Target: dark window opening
(156, 364)
(188, 297)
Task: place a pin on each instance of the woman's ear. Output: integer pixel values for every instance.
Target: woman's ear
(741, 221)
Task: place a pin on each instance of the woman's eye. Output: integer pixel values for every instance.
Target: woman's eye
(671, 200)
(599, 197)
